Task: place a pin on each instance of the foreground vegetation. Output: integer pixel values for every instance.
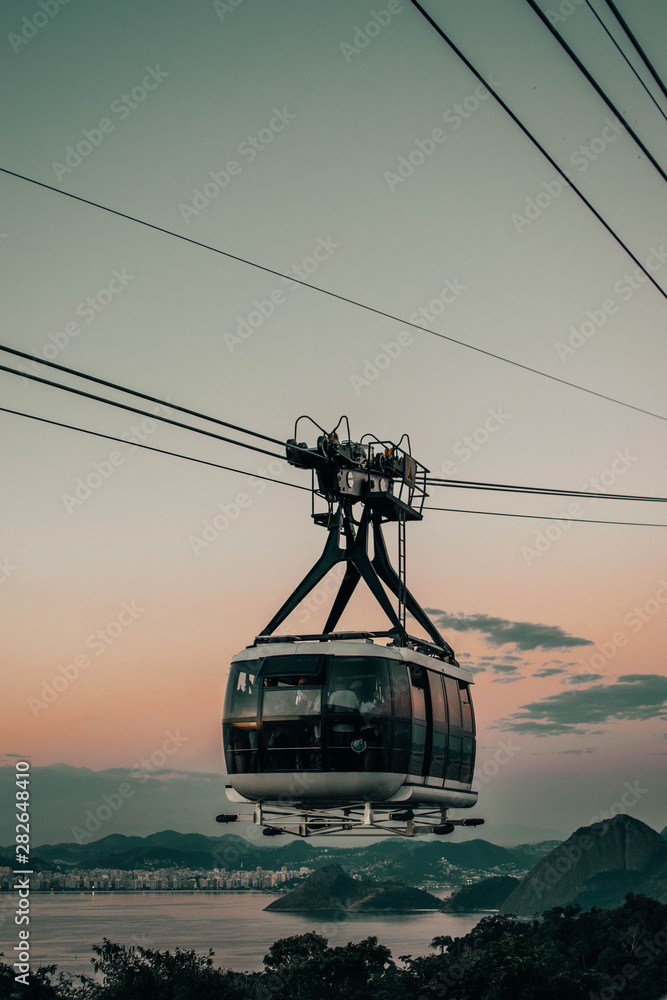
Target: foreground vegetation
(568, 955)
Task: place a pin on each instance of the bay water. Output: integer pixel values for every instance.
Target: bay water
(64, 925)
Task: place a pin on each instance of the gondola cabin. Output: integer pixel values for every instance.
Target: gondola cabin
(322, 724)
(333, 731)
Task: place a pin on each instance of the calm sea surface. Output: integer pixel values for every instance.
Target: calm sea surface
(63, 926)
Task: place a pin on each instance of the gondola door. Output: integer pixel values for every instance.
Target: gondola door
(421, 704)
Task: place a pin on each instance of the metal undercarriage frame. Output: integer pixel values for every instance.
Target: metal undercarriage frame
(357, 819)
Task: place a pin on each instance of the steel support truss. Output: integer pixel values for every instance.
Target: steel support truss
(374, 572)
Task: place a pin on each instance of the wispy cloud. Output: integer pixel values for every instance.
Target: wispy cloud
(633, 696)
(500, 631)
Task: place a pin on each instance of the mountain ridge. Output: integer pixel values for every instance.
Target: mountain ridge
(597, 866)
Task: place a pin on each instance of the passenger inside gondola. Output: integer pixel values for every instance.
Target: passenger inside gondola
(344, 705)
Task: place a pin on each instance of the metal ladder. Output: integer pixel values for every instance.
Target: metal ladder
(401, 569)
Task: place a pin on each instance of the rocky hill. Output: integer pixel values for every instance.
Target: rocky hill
(331, 888)
(597, 866)
(487, 894)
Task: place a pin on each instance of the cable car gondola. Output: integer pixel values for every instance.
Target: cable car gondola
(336, 732)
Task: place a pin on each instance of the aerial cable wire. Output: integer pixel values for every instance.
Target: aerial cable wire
(372, 309)
(538, 491)
(626, 28)
(542, 149)
(148, 447)
(134, 409)
(431, 481)
(624, 56)
(596, 86)
(281, 482)
(542, 517)
(135, 392)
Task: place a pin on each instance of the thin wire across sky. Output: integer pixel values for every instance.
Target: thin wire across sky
(432, 482)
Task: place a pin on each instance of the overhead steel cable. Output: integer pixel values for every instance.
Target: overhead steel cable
(134, 409)
(433, 481)
(372, 309)
(281, 482)
(596, 86)
(135, 392)
(148, 447)
(543, 517)
(526, 131)
(627, 29)
(537, 490)
(625, 57)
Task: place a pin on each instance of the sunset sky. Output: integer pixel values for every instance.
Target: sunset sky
(118, 586)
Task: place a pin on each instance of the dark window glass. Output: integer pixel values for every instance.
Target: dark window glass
(342, 700)
(291, 746)
(277, 666)
(242, 690)
(418, 747)
(400, 689)
(294, 700)
(240, 749)
(400, 758)
(438, 706)
(438, 754)
(376, 755)
(454, 759)
(467, 761)
(368, 679)
(418, 678)
(453, 703)
(466, 707)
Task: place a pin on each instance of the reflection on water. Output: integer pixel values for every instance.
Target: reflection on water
(63, 926)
